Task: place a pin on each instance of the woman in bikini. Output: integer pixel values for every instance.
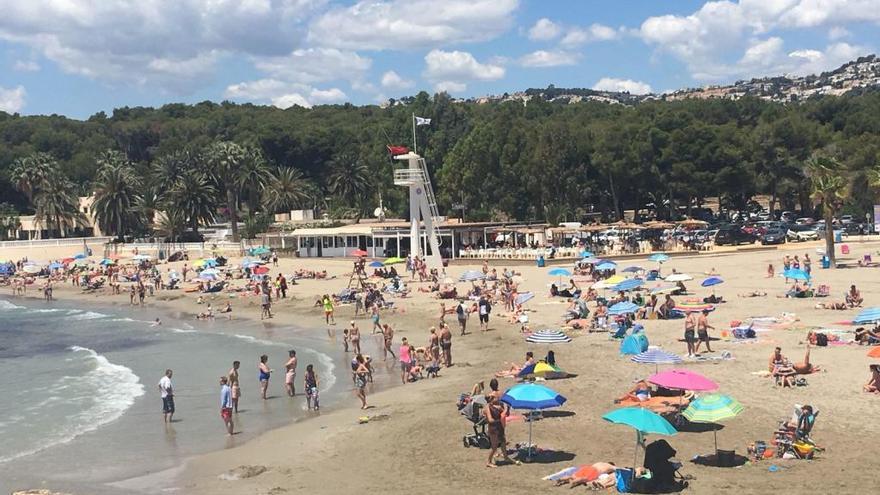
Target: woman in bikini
(311, 383)
(360, 374)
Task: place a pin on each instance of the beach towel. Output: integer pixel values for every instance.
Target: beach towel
(656, 404)
(564, 473)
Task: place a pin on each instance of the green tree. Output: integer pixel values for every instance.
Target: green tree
(828, 187)
(57, 206)
(349, 180)
(171, 225)
(287, 189)
(195, 198)
(9, 221)
(226, 160)
(117, 192)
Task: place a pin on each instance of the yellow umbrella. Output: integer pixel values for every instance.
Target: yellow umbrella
(609, 282)
(199, 263)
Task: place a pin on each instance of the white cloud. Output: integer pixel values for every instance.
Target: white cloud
(544, 30)
(544, 58)
(283, 94)
(622, 85)
(392, 80)
(589, 34)
(411, 24)
(172, 46)
(449, 87)
(25, 66)
(456, 66)
(12, 100)
(315, 65)
(837, 32)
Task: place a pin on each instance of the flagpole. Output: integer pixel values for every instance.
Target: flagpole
(415, 146)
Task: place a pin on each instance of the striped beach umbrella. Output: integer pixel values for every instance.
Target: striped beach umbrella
(656, 357)
(693, 306)
(623, 308)
(712, 408)
(548, 337)
(868, 315)
(471, 275)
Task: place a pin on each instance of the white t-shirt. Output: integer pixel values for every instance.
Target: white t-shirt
(165, 387)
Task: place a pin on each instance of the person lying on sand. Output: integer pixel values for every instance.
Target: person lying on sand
(587, 474)
(514, 369)
(754, 293)
(802, 368)
(873, 385)
(640, 392)
(831, 305)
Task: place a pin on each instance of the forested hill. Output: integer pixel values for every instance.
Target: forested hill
(536, 161)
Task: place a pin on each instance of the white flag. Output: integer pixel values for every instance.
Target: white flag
(422, 121)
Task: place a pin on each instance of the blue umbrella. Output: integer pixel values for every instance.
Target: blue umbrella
(55, 265)
(79, 256)
(659, 257)
(643, 421)
(591, 261)
(628, 285)
(632, 269)
(796, 274)
(606, 265)
(376, 264)
(532, 397)
(869, 315)
(562, 272)
(471, 275)
(623, 308)
(586, 254)
(712, 281)
(524, 297)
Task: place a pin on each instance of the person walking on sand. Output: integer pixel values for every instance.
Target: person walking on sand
(387, 338)
(327, 302)
(690, 326)
(360, 373)
(484, 309)
(354, 335)
(446, 345)
(166, 391)
(374, 314)
(703, 327)
(290, 375)
(266, 304)
(406, 359)
(234, 385)
(462, 315)
(226, 405)
(434, 345)
(265, 373)
(311, 384)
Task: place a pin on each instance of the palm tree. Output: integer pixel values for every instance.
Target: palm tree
(57, 206)
(287, 189)
(171, 225)
(253, 177)
(32, 172)
(168, 170)
(195, 198)
(10, 221)
(117, 192)
(350, 180)
(225, 160)
(828, 186)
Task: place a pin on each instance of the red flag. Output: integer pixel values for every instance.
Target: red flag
(397, 150)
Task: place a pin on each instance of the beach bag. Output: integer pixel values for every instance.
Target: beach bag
(821, 340)
(744, 333)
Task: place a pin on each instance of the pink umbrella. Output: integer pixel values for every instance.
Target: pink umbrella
(682, 380)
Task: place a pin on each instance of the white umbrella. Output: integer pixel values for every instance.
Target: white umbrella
(31, 269)
(678, 277)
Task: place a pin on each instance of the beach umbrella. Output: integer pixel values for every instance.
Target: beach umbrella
(628, 285)
(359, 252)
(532, 397)
(471, 275)
(524, 297)
(376, 264)
(107, 261)
(682, 380)
(261, 270)
(562, 272)
(586, 254)
(67, 260)
(79, 256)
(678, 277)
(795, 274)
(82, 262)
(393, 260)
(55, 265)
(642, 420)
(142, 257)
(543, 370)
(32, 269)
(868, 315)
(606, 265)
(712, 281)
(659, 257)
(662, 289)
(712, 408)
(623, 308)
(656, 357)
(258, 251)
(591, 261)
(693, 306)
(874, 353)
(198, 263)
(609, 282)
(633, 269)
(548, 337)
(206, 275)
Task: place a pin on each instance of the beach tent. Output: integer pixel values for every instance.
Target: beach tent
(634, 344)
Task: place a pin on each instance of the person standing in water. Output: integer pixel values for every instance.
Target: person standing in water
(387, 338)
(354, 335)
(166, 391)
(290, 375)
(234, 386)
(265, 373)
(311, 383)
(226, 405)
(360, 379)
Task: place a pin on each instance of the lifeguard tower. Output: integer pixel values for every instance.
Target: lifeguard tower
(422, 209)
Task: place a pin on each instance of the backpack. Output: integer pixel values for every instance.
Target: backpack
(744, 333)
(821, 340)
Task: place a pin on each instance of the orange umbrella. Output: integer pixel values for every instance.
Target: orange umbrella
(874, 353)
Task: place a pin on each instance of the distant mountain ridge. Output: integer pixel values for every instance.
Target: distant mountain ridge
(861, 73)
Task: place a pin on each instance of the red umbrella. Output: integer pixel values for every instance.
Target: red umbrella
(260, 270)
(359, 252)
(67, 260)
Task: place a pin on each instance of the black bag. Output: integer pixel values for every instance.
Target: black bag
(821, 340)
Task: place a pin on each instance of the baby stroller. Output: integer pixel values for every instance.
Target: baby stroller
(792, 438)
(472, 409)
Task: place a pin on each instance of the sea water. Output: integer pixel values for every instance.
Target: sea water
(81, 408)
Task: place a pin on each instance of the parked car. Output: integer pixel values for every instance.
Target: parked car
(734, 236)
(846, 219)
(801, 233)
(804, 221)
(773, 235)
(788, 216)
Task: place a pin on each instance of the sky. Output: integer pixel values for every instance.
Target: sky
(79, 57)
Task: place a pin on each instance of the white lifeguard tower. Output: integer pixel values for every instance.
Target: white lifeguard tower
(422, 209)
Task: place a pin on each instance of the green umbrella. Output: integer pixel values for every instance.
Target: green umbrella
(393, 260)
(712, 408)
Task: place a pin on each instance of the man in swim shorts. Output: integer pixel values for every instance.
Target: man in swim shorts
(226, 405)
(166, 391)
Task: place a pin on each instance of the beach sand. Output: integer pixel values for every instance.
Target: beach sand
(414, 440)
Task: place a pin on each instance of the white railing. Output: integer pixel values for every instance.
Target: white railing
(68, 241)
(408, 177)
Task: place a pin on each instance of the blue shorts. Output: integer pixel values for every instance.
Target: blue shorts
(168, 404)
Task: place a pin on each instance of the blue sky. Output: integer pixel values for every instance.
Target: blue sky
(82, 56)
